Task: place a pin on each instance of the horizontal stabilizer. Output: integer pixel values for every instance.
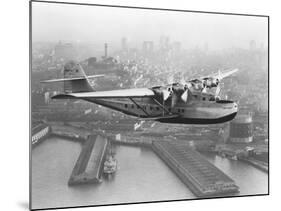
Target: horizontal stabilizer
(71, 79)
(63, 96)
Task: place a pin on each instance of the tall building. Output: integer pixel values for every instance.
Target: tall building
(252, 45)
(176, 47)
(105, 50)
(241, 129)
(124, 44)
(65, 51)
(147, 46)
(92, 61)
(164, 43)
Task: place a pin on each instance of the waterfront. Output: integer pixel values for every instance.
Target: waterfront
(141, 176)
(250, 180)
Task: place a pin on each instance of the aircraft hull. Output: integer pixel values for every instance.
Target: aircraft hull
(194, 113)
(180, 120)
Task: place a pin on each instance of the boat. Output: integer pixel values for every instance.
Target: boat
(234, 157)
(110, 165)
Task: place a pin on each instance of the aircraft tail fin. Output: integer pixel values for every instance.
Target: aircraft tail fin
(75, 79)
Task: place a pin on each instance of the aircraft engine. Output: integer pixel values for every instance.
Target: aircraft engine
(172, 93)
(210, 82)
(162, 93)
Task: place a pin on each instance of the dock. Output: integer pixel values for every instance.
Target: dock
(130, 140)
(39, 133)
(198, 174)
(70, 132)
(88, 168)
(263, 166)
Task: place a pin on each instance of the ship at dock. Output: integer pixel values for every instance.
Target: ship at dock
(110, 165)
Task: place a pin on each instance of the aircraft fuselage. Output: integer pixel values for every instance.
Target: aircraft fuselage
(192, 112)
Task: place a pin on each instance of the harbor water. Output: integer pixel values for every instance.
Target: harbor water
(250, 180)
(141, 176)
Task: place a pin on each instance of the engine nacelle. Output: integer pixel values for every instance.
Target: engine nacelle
(211, 82)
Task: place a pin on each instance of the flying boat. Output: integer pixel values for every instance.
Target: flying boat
(187, 102)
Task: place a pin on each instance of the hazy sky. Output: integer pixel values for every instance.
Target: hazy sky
(54, 22)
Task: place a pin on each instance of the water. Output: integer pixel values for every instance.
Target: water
(141, 176)
(249, 179)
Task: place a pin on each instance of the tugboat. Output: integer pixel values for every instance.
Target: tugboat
(110, 165)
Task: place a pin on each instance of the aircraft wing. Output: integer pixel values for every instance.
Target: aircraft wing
(122, 93)
(222, 75)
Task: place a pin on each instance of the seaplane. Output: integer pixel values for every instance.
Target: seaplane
(187, 102)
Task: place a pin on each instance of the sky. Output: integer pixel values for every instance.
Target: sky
(54, 22)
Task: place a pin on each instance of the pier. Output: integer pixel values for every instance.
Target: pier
(70, 132)
(39, 133)
(130, 140)
(198, 174)
(201, 177)
(88, 168)
(263, 166)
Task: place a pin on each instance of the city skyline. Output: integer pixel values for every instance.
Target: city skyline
(138, 25)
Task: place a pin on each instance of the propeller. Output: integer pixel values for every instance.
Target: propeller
(218, 90)
(204, 90)
(217, 97)
(184, 96)
(166, 94)
(187, 86)
(174, 91)
(180, 92)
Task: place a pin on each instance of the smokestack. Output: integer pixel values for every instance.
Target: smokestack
(105, 50)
